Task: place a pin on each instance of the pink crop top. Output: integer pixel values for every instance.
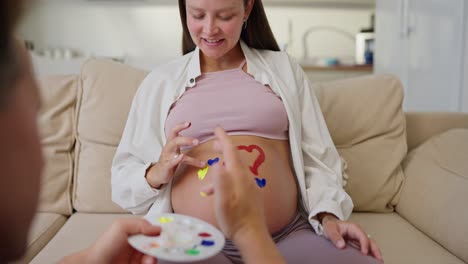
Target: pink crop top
(233, 100)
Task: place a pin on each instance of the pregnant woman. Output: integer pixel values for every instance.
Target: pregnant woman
(232, 75)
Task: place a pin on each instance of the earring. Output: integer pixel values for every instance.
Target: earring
(245, 24)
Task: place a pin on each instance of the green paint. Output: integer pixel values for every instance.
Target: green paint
(192, 252)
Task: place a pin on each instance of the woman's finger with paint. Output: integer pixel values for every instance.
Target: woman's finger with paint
(193, 162)
(161, 173)
(170, 158)
(171, 165)
(174, 145)
(177, 129)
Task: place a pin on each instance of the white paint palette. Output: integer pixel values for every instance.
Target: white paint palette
(182, 239)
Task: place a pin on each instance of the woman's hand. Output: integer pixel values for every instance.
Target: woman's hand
(170, 158)
(337, 231)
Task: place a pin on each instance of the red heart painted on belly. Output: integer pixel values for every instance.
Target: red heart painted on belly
(260, 159)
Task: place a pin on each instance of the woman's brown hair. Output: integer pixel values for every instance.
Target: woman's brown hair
(257, 34)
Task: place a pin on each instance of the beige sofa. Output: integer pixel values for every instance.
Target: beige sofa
(407, 172)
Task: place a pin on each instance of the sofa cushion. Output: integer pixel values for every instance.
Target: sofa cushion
(400, 242)
(365, 118)
(104, 99)
(44, 227)
(58, 95)
(435, 191)
(78, 233)
(420, 126)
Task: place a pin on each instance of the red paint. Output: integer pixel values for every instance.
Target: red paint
(260, 159)
(204, 235)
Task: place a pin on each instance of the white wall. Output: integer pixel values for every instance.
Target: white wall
(464, 100)
(153, 32)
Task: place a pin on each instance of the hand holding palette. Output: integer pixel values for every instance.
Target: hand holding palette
(182, 239)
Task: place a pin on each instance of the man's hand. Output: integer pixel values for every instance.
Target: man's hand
(237, 200)
(113, 247)
(238, 205)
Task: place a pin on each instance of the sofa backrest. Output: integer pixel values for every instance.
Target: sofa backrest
(58, 96)
(364, 117)
(105, 95)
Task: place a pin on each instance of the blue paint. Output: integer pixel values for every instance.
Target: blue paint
(260, 182)
(212, 161)
(207, 243)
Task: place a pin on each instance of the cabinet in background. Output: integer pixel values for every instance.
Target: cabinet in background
(423, 43)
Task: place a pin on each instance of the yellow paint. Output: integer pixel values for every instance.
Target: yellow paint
(202, 173)
(202, 194)
(165, 220)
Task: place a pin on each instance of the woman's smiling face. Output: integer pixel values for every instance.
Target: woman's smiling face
(215, 25)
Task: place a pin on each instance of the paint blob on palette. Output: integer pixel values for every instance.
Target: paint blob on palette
(182, 239)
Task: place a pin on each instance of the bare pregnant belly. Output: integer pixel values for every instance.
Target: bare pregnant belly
(273, 172)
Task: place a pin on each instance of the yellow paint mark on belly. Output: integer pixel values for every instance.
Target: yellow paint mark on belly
(202, 173)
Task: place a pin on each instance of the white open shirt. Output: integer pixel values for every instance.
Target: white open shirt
(316, 161)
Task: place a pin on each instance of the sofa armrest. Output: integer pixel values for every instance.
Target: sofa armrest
(435, 191)
(420, 126)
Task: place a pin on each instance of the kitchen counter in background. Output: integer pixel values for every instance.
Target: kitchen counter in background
(46, 66)
(329, 73)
